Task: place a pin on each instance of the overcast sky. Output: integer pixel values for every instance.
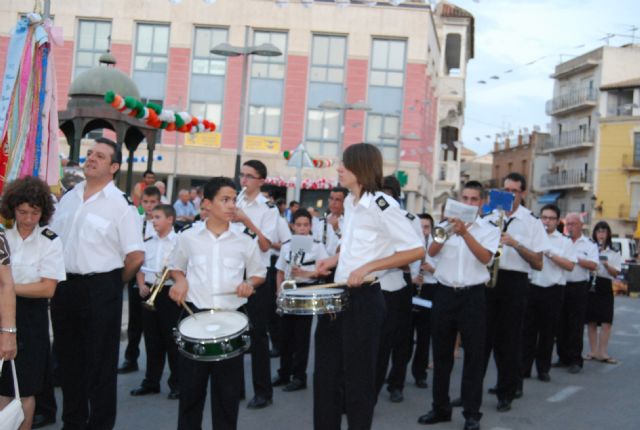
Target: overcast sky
(511, 33)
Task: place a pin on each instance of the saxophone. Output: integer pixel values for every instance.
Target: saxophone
(495, 265)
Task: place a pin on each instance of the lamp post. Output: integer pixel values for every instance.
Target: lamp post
(228, 50)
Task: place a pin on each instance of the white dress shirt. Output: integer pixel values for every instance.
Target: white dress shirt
(307, 263)
(264, 215)
(457, 266)
(157, 253)
(374, 228)
(282, 234)
(528, 230)
(428, 277)
(584, 249)
(97, 234)
(552, 274)
(148, 231)
(216, 265)
(38, 256)
(414, 267)
(323, 232)
(613, 259)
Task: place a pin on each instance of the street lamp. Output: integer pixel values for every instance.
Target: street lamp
(228, 50)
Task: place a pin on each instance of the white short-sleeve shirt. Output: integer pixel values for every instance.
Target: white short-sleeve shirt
(613, 259)
(552, 274)
(38, 256)
(583, 249)
(157, 254)
(264, 215)
(306, 263)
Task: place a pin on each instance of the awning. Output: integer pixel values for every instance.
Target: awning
(548, 198)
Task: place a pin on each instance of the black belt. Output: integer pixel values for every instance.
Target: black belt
(148, 284)
(71, 276)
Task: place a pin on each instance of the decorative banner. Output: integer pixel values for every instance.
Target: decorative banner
(268, 144)
(317, 162)
(203, 140)
(307, 184)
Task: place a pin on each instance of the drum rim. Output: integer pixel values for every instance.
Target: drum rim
(218, 357)
(224, 338)
(314, 294)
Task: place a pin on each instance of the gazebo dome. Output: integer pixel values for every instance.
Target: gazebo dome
(100, 79)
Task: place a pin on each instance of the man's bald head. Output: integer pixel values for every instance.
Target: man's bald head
(573, 222)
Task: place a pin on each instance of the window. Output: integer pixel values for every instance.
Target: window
(204, 62)
(383, 124)
(264, 120)
(152, 48)
(269, 67)
(387, 63)
(328, 59)
(452, 52)
(93, 41)
(323, 132)
(636, 149)
(209, 111)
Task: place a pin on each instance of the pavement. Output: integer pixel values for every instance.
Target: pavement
(602, 396)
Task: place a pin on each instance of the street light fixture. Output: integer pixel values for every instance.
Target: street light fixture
(228, 50)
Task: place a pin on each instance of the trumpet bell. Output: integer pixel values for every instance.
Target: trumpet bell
(441, 234)
(288, 285)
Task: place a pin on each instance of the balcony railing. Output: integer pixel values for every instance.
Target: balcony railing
(629, 162)
(573, 100)
(572, 178)
(580, 138)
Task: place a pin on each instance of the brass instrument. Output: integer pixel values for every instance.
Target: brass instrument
(150, 303)
(441, 233)
(495, 265)
(289, 282)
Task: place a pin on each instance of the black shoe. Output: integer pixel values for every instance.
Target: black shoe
(518, 394)
(143, 391)
(295, 385)
(504, 405)
(559, 364)
(396, 396)
(544, 377)
(174, 395)
(274, 352)
(457, 402)
(40, 420)
(279, 381)
(433, 417)
(574, 368)
(471, 424)
(128, 367)
(493, 390)
(259, 402)
(421, 383)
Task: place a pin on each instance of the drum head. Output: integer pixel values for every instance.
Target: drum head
(213, 324)
(321, 292)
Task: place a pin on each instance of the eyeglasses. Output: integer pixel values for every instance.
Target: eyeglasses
(548, 218)
(247, 176)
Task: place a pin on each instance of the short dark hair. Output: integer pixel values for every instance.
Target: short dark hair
(116, 157)
(168, 210)
(338, 189)
(152, 191)
(294, 202)
(517, 177)
(602, 225)
(148, 171)
(31, 190)
(281, 202)
(258, 166)
(392, 184)
(213, 185)
(551, 207)
(427, 217)
(474, 185)
(365, 162)
(301, 213)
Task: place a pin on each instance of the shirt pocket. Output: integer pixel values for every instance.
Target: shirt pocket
(94, 228)
(364, 241)
(197, 269)
(233, 270)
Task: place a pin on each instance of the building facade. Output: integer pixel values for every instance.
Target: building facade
(346, 75)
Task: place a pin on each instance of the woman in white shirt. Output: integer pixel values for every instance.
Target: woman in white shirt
(600, 301)
(37, 265)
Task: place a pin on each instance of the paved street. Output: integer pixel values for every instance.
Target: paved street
(603, 396)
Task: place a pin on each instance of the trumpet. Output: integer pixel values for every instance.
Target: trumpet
(161, 279)
(442, 233)
(495, 266)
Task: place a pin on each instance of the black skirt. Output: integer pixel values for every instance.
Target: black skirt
(600, 302)
(32, 321)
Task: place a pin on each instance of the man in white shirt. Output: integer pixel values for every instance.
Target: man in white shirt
(103, 249)
(574, 307)
(545, 298)
(328, 229)
(459, 305)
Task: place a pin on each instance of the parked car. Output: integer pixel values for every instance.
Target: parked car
(629, 278)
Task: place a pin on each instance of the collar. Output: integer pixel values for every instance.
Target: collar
(172, 234)
(14, 231)
(106, 190)
(365, 199)
(520, 213)
(201, 228)
(582, 238)
(556, 233)
(260, 199)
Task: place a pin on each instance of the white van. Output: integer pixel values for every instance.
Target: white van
(626, 247)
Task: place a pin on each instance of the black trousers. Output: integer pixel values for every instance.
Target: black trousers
(506, 305)
(86, 313)
(540, 324)
(421, 323)
(159, 341)
(464, 311)
(347, 347)
(571, 327)
(46, 404)
(258, 307)
(275, 320)
(296, 333)
(134, 327)
(396, 337)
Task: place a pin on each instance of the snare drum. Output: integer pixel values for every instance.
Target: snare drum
(213, 335)
(312, 302)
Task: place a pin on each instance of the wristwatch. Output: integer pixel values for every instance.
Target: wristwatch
(9, 330)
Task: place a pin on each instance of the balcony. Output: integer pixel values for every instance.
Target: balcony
(575, 100)
(567, 179)
(630, 163)
(569, 140)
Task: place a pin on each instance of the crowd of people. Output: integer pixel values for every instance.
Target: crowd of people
(507, 284)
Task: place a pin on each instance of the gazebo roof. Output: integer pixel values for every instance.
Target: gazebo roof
(100, 79)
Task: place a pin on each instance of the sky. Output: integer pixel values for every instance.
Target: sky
(509, 34)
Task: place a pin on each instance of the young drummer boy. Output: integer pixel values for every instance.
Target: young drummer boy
(296, 329)
(210, 262)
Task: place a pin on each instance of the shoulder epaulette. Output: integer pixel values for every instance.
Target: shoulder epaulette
(534, 215)
(271, 204)
(410, 216)
(493, 223)
(185, 228)
(317, 241)
(250, 233)
(592, 241)
(146, 239)
(49, 234)
(128, 199)
(286, 241)
(382, 203)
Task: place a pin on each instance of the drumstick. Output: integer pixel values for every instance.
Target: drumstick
(367, 280)
(189, 311)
